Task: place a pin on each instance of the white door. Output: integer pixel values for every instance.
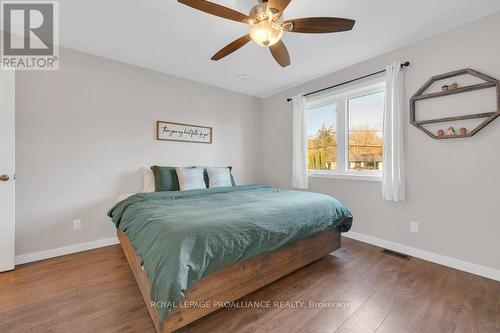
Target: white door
(7, 164)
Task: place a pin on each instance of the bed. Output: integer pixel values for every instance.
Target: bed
(196, 251)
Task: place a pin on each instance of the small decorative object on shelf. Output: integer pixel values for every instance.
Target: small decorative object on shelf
(446, 90)
(440, 132)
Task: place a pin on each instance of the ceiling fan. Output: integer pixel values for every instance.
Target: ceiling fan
(268, 26)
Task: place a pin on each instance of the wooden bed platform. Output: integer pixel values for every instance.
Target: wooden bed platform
(234, 281)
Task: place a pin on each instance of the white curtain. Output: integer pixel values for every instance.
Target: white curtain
(393, 184)
(300, 178)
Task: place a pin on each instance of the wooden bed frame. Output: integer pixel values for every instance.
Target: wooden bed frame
(234, 281)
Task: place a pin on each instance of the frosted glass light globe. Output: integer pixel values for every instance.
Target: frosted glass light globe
(266, 33)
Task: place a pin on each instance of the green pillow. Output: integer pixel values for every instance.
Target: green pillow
(165, 178)
(205, 176)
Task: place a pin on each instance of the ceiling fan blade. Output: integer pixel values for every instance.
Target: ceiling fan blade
(280, 53)
(230, 48)
(217, 10)
(279, 5)
(318, 25)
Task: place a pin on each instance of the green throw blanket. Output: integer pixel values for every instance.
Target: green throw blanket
(182, 237)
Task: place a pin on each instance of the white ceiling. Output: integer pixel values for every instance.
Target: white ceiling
(166, 36)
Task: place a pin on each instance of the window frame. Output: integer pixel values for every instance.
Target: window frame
(341, 97)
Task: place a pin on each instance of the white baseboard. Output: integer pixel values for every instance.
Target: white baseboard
(487, 272)
(484, 271)
(61, 251)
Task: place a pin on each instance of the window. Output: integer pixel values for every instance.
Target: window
(345, 132)
(321, 136)
(366, 130)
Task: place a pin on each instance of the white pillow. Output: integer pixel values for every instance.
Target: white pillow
(190, 178)
(149, 180)
(219, 177)
(124, 196)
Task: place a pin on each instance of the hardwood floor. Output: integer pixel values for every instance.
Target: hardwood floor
(95, 291)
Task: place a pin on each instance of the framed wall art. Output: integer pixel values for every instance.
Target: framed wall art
(168, 131)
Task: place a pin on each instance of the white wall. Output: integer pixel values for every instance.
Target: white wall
(453, 185)
(83, 132)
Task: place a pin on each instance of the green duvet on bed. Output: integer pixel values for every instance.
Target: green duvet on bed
(182, 237)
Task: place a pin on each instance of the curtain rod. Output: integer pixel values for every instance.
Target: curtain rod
(406, 64)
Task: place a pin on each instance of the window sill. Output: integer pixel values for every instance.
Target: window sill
(358, 177)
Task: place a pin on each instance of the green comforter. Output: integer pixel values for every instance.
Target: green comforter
(182, 237)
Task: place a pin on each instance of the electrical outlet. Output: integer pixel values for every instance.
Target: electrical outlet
(77, 224)
(414, 227)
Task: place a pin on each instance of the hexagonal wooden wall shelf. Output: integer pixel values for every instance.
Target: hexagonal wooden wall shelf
(420, 95)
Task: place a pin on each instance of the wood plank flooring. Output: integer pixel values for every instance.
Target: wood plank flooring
(95, 292)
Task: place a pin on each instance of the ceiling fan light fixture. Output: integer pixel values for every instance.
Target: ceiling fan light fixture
(266, 33)
(266, 19)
